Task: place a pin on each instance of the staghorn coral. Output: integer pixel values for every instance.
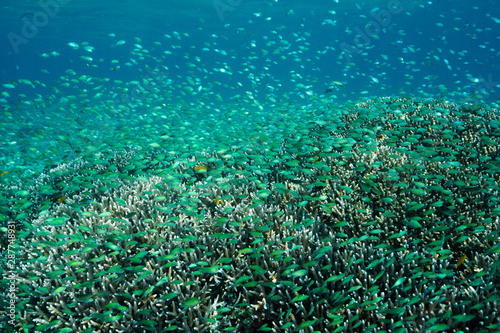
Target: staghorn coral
(352, 223)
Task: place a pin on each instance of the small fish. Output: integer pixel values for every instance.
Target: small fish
(74, 46)
(460, 261)
(200, 168)
(61, 199)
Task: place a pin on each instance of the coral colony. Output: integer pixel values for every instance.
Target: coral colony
(376, 216)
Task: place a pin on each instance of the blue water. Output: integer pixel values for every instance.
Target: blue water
(144, 89)
(440, 48)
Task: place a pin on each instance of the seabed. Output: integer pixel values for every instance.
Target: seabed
(380, 215)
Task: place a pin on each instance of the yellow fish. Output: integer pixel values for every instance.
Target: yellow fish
(460, 261)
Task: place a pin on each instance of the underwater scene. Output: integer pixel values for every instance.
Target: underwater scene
(249, 166)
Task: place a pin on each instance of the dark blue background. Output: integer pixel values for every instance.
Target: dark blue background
(436, 30)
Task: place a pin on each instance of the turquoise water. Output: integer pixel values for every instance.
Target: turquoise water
(209, 166)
